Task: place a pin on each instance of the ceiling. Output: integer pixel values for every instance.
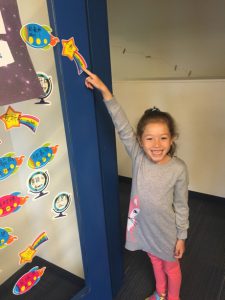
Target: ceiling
(167, 39)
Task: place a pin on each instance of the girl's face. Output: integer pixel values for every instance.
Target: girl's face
(156, 141)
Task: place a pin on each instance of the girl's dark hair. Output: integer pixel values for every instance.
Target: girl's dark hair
(153, 115)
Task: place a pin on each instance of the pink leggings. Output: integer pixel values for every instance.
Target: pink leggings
(167, 274)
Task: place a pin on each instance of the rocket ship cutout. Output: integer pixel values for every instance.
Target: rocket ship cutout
(6, 237)
(28, 280)
(41, 156)
(38, 36)
(11, 203)
(9, 164)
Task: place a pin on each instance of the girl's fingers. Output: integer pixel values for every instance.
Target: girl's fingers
(88, 84)
(92, 76)
(88, 72)
(93, 81)
(178, 254)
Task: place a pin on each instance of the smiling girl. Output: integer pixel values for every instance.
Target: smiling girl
(158, 214)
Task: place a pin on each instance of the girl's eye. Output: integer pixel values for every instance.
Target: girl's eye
(164, 137)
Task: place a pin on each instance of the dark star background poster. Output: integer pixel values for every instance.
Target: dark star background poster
(18, 79)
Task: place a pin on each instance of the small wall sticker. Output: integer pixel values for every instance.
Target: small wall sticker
(28, 254)
(60, 204)
(41, 156)
(47, 86)
(9, 164)
(28, 280)
(11, 203)
(38, 182)
(72, 52)
(6, 237)
(13, 118)
(38, 36)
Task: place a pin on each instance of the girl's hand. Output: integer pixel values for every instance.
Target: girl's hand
(179, 248)
(93, 81)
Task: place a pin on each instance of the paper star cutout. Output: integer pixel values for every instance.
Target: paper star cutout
(69, 48)
(27, 255)
(11, 118)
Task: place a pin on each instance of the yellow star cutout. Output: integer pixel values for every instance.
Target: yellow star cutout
(11, 118)
(69, 48)
(27, 255)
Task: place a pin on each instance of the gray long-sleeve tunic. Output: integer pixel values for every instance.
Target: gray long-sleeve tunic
(158, 212)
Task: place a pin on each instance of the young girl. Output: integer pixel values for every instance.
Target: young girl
(158, 213)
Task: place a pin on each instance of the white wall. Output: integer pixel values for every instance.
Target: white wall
(198, 106)
(63, 246)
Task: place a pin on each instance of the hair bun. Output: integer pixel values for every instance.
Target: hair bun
(153, 109)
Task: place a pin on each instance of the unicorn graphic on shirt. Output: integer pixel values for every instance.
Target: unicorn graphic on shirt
(134, 210)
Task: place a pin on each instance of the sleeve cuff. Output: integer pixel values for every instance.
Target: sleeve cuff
(182, 235)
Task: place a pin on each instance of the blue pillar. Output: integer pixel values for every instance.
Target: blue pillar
(91, 143)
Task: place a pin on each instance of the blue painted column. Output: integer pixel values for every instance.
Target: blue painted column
(91, 144)
(100, 62)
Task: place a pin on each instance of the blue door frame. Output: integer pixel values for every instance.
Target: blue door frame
(91, 144)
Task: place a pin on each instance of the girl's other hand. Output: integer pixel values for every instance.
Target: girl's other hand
(179, 249)
(93, 81)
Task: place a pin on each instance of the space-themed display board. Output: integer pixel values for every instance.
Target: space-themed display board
(19, 81)
(32, 156)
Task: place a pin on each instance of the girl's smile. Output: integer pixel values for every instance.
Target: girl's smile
(156, 142)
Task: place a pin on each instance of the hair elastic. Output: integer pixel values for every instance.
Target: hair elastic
(154, 109)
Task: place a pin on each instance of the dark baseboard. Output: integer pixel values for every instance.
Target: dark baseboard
(125, 179)
(206, 197)
(192, 194)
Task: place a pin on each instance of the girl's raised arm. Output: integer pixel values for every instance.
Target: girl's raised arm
(93, 81)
